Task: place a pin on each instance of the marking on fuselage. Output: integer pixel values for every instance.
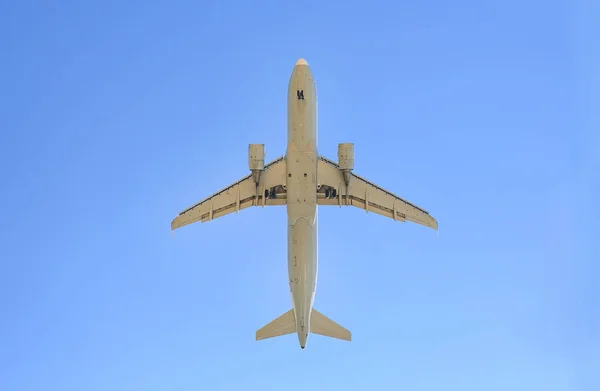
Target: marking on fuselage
(306, 219)
(300, 94)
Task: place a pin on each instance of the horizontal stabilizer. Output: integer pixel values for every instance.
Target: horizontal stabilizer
(322, 325)
(285, 324)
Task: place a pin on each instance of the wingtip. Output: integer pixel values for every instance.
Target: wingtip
(434, 224)
(174, 224)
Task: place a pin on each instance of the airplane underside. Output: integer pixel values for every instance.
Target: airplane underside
(302, 180)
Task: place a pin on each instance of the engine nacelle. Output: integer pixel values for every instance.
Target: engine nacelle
(346, 159)
(256, 157)
(256, 160)
(346, 156)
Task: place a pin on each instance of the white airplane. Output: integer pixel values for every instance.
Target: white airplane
(303, 180)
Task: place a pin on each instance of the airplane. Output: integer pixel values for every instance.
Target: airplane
(303, 180)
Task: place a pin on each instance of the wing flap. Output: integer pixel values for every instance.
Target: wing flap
(238, 196)
(366, 195)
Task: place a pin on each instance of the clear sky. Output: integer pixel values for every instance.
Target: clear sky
(116, 116)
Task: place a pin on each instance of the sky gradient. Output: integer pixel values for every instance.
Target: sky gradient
(117, 115)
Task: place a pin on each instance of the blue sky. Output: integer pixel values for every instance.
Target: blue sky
(118, 115)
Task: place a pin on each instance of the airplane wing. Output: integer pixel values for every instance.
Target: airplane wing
(365, 195)
(239, 195)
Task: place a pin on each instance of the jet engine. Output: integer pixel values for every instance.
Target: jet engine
(346, 159)
(256, 160)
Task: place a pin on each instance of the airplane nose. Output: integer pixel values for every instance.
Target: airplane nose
(301, 62)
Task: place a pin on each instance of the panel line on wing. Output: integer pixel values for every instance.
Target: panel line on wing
(375, 186)
(230, 186)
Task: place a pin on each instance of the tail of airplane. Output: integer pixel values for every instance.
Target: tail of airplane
(285, 324)
(319, 324)
(322, 325)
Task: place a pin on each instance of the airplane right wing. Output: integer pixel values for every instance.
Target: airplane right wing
(365, 195)
(239, 195)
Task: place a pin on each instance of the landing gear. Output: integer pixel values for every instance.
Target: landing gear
(270, 193)
(330, 193)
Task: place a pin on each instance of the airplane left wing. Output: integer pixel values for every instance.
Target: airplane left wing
(239, 195)
(365, 195)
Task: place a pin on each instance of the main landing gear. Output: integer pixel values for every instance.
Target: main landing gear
(330, 193)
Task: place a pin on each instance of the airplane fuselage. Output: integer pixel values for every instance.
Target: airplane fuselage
(301, 184)
(303, 181)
